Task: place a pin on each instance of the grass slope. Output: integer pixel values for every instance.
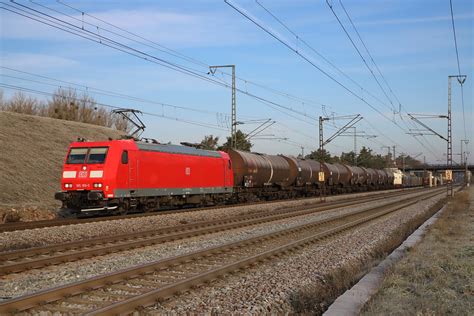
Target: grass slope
(436, 277)
(32, 151)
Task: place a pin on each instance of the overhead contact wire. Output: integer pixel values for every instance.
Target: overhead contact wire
(75, 30)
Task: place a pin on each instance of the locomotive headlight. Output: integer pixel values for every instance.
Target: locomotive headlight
(68, 185)
(97, 185)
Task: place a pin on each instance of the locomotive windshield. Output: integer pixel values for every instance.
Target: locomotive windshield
(97, 155)
(94, 155)
(77, 155)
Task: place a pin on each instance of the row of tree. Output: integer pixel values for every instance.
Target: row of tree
(211, 142)
(65, 104)
(365, 158)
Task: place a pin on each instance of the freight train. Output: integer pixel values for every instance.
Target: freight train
(120, 176)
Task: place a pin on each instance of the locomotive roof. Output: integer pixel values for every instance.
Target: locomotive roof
(177, 149)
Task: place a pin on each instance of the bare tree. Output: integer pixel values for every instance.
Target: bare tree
(65, 104)
(22, 103)
(87, 107)
(121, 123)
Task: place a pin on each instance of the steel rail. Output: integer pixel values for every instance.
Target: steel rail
(15, 226)
(38, 257)
(151, 295)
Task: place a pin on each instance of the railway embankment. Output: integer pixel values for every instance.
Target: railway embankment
(435, 278)
(31, 157)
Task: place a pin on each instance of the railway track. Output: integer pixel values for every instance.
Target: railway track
(38, 257)
(130, 289)
(15, 226)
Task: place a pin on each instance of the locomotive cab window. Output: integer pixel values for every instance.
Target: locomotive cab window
(125, 157)
(97, 155)
(77, 156)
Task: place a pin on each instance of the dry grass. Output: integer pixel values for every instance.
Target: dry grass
(436, 278)
(32, 153)
(316, 298)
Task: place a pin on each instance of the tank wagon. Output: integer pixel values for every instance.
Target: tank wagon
(119, 176)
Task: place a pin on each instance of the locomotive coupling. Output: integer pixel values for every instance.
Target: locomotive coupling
(94, 196)
(61, 196)
(91, 196)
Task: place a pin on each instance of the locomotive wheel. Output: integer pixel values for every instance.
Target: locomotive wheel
(123, 208)
(122, 211)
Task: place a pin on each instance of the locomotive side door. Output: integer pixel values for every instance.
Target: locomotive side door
(132, 169)
(122, 180)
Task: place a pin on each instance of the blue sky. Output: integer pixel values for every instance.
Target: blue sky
(411, 42)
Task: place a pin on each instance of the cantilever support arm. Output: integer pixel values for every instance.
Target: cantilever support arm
(260, 128)
(348, 125)
(427, 127)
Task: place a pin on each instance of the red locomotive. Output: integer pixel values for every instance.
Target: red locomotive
(122, 175)
(118, 176)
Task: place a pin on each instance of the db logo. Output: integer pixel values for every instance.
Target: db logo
(82, 174)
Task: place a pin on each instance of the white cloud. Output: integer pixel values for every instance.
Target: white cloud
(176, 29)
(36, 61)
(416, 20)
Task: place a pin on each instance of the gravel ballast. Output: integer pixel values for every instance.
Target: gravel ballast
(35, 280)
(68, 233)
(290, 284)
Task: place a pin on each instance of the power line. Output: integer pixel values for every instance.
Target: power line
(426, 142)
(103, 40)
(191, 122)
(90, 89)
(167, 50)
(297, 131)
(459, 67)
(370, 55)
(282, 41)
(360, 54)
(39, 92)
(363, 59)
(154, 45)
(300, 39)
(454, 33)
(89, 34)
(181, 55)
